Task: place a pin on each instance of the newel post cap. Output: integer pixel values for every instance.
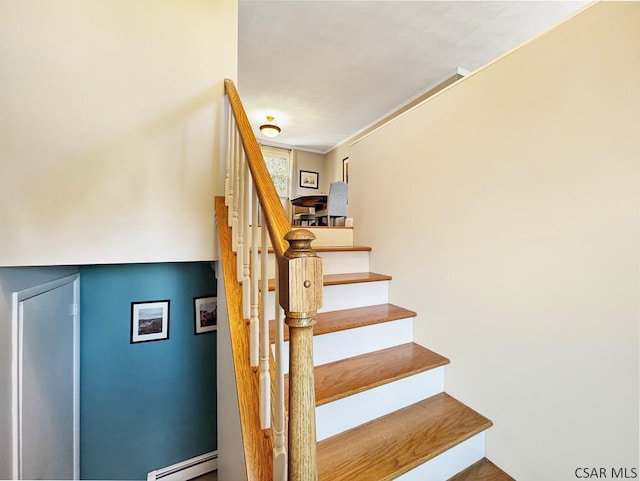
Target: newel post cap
(300, 275)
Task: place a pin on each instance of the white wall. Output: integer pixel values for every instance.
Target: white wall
(110, 113)
(231, 459)
(509, 218)
(13, 280)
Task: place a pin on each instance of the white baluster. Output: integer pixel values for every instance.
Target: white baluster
(232, 182)
(241, 221)
(279, 447)
(265, 375)
(246, 258)
(254, 331)
(236, 194)
(227, 166)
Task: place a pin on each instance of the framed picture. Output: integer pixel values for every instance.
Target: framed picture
(345, 170)
(308, 179)
(149, 321)
(206, 314)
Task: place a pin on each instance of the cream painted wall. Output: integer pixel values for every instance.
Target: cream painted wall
(509, 218)
(334, 157)
(312, 162)
(334, 162)
(109, 113)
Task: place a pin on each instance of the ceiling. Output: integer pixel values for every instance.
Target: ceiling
(328, 69)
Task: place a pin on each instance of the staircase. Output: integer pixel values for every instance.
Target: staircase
(381, 409)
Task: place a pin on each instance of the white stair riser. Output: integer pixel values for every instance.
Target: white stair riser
(344, 262)
(345, 296)
(330, 236)
(349, 412)
(361, 294)
(325, 237)
(332, 262)
(450, 462)
(354, 342)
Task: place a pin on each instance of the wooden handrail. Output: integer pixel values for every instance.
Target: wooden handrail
(273, 212)
(249, 187)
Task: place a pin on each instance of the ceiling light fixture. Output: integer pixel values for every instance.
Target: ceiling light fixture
(270, 129)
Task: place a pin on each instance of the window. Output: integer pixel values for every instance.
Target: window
(279, 164)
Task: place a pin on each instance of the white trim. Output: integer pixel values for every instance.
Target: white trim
(20, 384)
(15, 398)
(17, 332)
(291, 147)
(283, 153)
(30, 292)
(76, 377)
(466, 77)
(188, 469)
(362, 134)
(392, 114)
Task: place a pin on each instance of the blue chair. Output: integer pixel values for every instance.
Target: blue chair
(336, 203)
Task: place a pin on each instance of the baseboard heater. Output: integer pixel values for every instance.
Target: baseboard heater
(191, 468)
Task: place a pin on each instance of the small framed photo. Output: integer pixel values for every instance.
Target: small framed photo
(308, 179)
(149, 321)
(206, 314)
(345, 170)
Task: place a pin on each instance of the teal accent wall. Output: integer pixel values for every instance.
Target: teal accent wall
(148, 405)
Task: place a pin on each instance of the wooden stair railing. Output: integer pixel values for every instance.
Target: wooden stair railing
(251, 199)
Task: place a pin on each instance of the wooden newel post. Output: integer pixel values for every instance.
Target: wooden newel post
(300, 274)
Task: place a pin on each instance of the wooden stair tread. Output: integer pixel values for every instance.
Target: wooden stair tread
(342, 249)
(346, 377)
(483, 470)
(354, 278)
(350, 278)
(356, 374)
(393, 444)
(320, 249)
(341, 320)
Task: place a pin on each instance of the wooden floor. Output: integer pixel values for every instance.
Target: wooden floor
(483, 470)
(212, 476)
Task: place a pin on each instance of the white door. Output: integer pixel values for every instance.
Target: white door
(47, 401)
